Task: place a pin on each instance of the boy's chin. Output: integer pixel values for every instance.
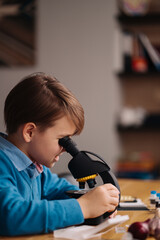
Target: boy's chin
(51, 165)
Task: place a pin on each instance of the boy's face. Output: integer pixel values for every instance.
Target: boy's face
(44, 148)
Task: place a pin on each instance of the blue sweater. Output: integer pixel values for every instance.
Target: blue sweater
(32, 203)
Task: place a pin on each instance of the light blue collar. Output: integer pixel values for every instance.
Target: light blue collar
(17, 157)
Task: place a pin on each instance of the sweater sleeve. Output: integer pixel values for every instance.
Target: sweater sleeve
(54, 187)
(19, 216)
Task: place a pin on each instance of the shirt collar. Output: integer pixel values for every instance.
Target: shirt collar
(17, 157)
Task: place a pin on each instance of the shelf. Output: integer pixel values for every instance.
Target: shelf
(122, 129)
(139, 19)
(151, 123)
(137, 175)
(138, 74)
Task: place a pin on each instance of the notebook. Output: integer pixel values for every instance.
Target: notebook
(87, 232)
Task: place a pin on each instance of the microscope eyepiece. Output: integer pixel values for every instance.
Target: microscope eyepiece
(70, 146)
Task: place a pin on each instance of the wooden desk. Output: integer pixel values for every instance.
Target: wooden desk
(138, 188)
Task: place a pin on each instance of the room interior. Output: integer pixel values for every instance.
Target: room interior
(85, 44)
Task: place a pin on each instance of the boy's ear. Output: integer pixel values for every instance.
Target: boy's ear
(28, 131)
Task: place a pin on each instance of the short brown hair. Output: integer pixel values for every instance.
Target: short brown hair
(41, 99)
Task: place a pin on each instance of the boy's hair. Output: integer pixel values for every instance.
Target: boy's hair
(41, 99)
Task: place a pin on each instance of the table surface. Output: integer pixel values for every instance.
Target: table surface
(137, 188)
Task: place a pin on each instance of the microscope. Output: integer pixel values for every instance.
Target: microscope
(85, 169)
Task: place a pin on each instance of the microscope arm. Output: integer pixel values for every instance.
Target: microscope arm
(82, 166)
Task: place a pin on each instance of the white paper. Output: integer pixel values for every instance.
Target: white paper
(139, 203)
(86, 232)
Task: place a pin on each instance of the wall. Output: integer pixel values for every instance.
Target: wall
(75, 42)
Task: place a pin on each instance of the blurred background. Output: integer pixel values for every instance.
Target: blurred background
(107, 54)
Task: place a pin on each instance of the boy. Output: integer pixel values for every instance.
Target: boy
(39, 111)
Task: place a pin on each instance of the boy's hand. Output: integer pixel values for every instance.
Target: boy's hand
(101, 199)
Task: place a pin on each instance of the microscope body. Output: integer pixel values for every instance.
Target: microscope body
(85, 169)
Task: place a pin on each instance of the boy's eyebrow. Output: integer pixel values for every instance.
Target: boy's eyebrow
(64, 135)
(67, 135)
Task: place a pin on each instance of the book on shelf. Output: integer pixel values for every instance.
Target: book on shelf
(150, 50)
(122, 50)
(134, 52)
(130, 55)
